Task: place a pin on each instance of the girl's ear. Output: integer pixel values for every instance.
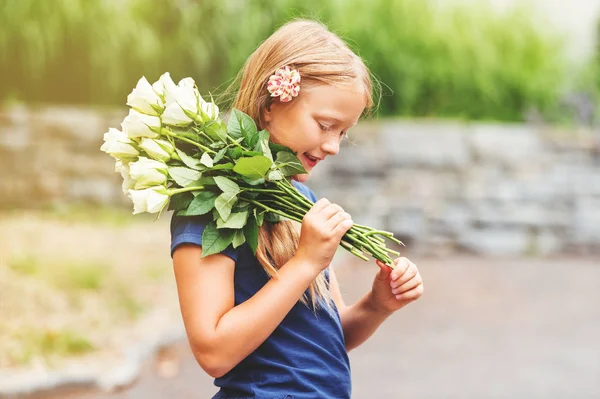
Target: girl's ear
(268, 113)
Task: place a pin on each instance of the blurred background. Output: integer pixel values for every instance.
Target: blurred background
(483, 157)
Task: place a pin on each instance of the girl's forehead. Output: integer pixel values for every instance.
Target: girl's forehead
(341, 101)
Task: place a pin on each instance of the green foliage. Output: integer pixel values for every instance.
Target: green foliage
(465, 62)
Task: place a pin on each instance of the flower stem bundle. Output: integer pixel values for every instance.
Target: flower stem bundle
(175, 152)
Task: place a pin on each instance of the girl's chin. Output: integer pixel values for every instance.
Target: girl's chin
(301, 178)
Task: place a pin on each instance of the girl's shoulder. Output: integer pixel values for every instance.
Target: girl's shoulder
(305, 190)
(189, 230)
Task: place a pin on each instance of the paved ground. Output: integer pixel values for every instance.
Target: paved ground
(485, 328)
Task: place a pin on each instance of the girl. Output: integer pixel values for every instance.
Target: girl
(275, 325)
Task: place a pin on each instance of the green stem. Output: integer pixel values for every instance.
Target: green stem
(185, 189)
(236, 143)
(269, 209)
(261, 190)
(169, 133)
(291, 190)
(286, 207)
(353, 250)
(287, 203)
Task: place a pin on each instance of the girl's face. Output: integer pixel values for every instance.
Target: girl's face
(314, 123)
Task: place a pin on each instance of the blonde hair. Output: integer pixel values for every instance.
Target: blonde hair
(320, 57)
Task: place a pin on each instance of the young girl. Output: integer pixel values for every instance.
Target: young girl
(274, 325)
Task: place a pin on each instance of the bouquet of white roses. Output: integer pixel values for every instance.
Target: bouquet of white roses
(175, 150)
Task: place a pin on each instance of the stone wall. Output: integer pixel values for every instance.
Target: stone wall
(441, 186)
(494, 189)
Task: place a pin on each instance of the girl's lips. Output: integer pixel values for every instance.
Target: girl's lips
(310, 162)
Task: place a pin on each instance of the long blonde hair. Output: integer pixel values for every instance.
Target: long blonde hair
(320, 57)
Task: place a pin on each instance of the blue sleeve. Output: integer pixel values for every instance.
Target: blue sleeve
(189, 229)
(305, 190)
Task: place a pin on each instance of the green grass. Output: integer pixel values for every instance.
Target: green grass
(25, 264)
(49, 343)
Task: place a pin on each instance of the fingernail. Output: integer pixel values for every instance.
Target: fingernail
(399, 296)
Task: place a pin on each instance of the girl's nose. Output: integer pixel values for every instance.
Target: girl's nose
(331, 145)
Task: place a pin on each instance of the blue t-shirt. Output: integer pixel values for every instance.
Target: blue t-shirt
(304, 358)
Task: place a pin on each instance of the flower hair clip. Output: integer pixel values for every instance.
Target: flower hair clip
(285, 84)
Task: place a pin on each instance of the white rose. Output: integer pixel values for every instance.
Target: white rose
(140, 125)
(118, 145)
(144, 99)
(128, 182)
(160, 150)
(164, 86)
(151, 200)
(210, 111)
(147, 172)
(187, 82)
(116, 135)
(182, 107)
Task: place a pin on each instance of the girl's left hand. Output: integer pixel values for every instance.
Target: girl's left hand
(394, 289)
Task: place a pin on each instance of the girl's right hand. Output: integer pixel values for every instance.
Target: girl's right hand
(323, 227)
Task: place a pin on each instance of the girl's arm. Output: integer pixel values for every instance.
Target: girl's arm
(392, 290)
(359, 321)
(221, 335)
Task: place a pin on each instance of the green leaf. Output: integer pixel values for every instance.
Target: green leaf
(180, 201)
(235, 153)
(253, 182)
(223, 166)
(275, 148)
(214, 240)
(217, 144)
(292, 166)
(206, 160)
(253, 168)
(227, 185)
(224, 203)
(238, 238)
(251, 153)
(235, 221)
(219, 155)
(275, 175)
(251, 234)
(260, 217)
(205, 181)
(241, 125)
(216, 131)
(184, 176)
(263, 144)
(202, 203)
(241, 206)
(189, 161)
(272, 217)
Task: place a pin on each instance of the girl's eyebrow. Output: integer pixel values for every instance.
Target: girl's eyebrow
(333, 118)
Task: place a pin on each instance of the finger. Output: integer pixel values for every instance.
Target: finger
(320, 205)
(412, 294)
(330, 210)
(402, 265)
(384, 271)
(407, 286)
(336, 219)
(342, 228)
(410, 272)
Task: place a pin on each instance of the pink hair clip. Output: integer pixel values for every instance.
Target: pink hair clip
(285, 83)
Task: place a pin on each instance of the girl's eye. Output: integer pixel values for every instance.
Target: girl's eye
(323, 127)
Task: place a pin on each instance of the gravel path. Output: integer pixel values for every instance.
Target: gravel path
(485, 328)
